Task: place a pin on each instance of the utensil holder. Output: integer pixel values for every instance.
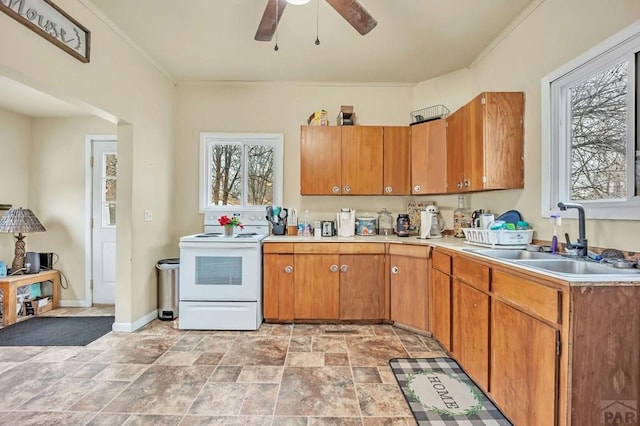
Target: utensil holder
(278, 229)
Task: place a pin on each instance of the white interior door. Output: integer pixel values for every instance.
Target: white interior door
(104, 207)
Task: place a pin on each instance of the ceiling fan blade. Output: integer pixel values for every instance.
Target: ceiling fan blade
(355, 14)
(269, 22)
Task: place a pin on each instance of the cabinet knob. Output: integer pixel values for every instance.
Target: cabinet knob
(459, 185)
(335, 189)
(334, 268)
(388, 189)
(394, 270)
(417, 188)
(347, 188)
(467, 184)
(344, 268)
(288, 269)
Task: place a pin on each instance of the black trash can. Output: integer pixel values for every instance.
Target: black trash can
(168, 290)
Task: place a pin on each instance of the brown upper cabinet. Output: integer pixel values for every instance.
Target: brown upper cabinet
(397, 158)
(485, 143)
(429, 157)
(337, 160)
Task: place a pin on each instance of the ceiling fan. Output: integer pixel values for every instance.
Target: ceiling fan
(350, 10)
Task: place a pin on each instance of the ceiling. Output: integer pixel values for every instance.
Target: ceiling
(213, 40)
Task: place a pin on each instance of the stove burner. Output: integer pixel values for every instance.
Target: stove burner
(247, 235)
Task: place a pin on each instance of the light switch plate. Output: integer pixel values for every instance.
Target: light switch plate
(148, 215)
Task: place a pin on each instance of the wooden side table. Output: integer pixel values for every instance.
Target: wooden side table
(9, 286)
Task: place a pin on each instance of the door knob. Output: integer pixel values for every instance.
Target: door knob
(388, 189)
(344, 268)
(335, 189)
(334, 268)
(394, 270)
(288, 269)
(417, 188)
(347, 188)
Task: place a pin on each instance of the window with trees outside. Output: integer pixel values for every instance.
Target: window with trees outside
(240, 171)
(591, 116)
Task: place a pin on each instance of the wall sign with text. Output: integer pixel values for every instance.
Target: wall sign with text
(52, 23)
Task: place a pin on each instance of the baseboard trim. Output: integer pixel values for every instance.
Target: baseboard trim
(128, 327)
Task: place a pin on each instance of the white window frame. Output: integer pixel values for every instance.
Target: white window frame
(209, 139)
(555, 133)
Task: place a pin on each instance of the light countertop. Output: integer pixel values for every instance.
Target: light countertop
(458, 244)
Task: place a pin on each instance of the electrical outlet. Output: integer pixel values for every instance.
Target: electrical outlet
(148, 215)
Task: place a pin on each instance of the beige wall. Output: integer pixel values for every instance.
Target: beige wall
(15, 137)
(555, 33)
(280, 108)
(57, 194)
(122, 85)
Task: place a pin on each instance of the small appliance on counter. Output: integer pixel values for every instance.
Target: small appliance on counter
(432, 222)
(346, 222)
(328, 228)
(366, 225)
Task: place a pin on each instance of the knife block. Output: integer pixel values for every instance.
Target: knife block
(278, 229)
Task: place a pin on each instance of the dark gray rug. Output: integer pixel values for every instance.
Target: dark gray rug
(55, 331)
(439, 392)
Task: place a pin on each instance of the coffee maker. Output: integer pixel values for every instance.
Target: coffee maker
(431, 222)
(346, 222)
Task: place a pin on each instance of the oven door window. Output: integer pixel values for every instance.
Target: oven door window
(219, 270)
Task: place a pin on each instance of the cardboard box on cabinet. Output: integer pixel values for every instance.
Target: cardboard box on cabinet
(346, 117)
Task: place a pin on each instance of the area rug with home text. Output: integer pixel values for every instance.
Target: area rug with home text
(56, 331)
(439, 392)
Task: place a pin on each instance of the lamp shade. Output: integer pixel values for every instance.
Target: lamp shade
(19, 221)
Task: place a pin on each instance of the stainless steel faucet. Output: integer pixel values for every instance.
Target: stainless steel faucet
(581, 245)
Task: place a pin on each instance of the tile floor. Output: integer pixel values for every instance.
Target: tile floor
(278, 375)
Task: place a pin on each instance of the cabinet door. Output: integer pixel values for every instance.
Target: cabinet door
(278, 287)
(429, 157)
(397, 160)
(440, 307)
(409, 281)
(320, 161)
(503, 140)
(523, 366)
(362, 160)
(458, 130)
(361, 286)
(317, 281)
(470, 329)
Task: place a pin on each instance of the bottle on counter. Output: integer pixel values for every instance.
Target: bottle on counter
(402, 225)
(461, 218)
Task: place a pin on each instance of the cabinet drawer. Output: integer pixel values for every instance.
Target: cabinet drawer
(277, 248)
(410, 250)
(442, 262)
(535, 298)
(472, 273)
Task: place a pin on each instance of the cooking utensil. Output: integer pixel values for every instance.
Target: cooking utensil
(511, 216)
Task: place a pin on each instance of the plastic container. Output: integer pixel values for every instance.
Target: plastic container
(168, 297)
(498, 237)
(366, 225)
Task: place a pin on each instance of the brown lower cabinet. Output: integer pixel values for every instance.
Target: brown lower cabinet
(323, 281)
(409, 277)
(440, 298)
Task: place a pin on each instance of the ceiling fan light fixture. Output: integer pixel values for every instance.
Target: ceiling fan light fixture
(298, 2)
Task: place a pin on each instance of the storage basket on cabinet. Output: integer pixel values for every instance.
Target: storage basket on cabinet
(430, 113)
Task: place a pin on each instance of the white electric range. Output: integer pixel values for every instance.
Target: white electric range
(221, 276)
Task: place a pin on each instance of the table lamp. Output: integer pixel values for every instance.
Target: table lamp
(17, 221)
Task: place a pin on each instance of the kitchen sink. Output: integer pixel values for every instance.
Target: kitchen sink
(556, 264)
(576, 267)
(517, 254)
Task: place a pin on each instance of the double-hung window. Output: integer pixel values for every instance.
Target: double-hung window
(240, 171)
(590, 120)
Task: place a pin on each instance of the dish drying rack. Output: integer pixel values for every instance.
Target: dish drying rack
(501, 238)
(434, 112)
